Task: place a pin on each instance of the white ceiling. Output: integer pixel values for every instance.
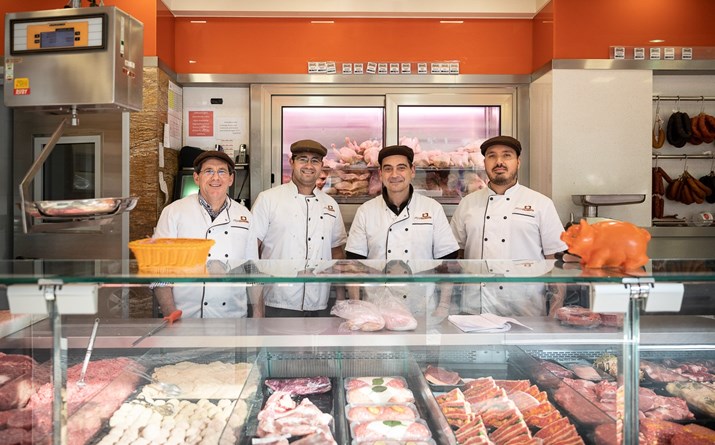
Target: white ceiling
(466, 9)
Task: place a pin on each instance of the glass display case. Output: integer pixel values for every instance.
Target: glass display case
(439, 377)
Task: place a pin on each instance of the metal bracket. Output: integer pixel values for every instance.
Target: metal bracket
(657, 297)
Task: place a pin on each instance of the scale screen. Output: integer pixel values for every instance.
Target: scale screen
(42, 35)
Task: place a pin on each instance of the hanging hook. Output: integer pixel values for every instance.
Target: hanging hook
(702, 104)
(712, 163)
(657, 106)
(685, 168)
(656, 161)
(677, 103)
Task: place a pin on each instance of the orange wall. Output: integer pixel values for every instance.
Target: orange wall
(585, 29)
(280, 46)
(165, 34)
(543, 36)
(142, 10)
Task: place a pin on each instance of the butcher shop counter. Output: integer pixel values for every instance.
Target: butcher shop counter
(556, 357)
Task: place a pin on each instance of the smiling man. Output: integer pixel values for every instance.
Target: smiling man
(298, 221)
(506, 221)
(401, 224)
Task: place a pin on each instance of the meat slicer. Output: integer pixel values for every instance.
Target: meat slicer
(591, 203)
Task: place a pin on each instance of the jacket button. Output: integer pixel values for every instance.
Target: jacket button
(406, 250)
(407, 229)
(226, 255)
(501, 287)
(209, 254)
(322, 237)
(404, 296)
(225, 233)
(390, 230)
(223, 304)
(503, 241)
(508, 199)
(486, 239)
(209, 231)
(488, 217)
(505, 217)
(389, 251)
(308, 239)
(491, 199)
(206, 303)
(321, 217)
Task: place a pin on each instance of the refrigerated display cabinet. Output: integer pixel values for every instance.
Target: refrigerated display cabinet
(444, 127)
(545, 365)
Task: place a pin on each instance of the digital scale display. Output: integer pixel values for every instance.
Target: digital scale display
(60, 38)
(48, 35)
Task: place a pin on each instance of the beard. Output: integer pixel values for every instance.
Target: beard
(502, 179)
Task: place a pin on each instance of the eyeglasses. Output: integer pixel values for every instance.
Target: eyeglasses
(209, 172)
(306, 159)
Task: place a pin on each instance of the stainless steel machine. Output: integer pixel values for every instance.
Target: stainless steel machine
(61, 67)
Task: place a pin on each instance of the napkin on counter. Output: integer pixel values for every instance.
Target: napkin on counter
(483, 323)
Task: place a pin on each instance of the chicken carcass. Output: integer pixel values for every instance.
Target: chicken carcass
(347, 155)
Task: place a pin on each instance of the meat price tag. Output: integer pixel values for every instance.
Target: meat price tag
(347, 68)
(358, 68)
(381, 68)
(422, 68)
(669, 54)
(655, 54)
(371, 67)
(639, 53)
(686, 54)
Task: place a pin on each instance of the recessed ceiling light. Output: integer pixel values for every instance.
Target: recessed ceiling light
(657, 41)
(198, 21)
(322, 22)
(452, 21)
(192, 61)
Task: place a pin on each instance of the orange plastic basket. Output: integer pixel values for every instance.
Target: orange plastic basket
(170, 255)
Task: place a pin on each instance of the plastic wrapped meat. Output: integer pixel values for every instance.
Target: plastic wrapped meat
(359, 315)
(578, 316)
(368, 413)
(397, 316)
(379, 395)
(440, 376)
(360, 382)
(585, 372)
(391, 430)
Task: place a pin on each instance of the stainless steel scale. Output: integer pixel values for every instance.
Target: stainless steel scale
(591, 203)
(65, 61)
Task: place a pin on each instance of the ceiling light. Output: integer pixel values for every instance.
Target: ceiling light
(657, 41)
(322, 22)
(452, 21)
(192, 61)
(198, 21)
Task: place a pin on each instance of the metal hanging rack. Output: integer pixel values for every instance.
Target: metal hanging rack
(686, 98)
(683, 156)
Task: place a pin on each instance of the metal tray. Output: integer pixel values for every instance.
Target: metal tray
(81, 208)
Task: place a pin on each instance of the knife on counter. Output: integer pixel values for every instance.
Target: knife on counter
(168, 320)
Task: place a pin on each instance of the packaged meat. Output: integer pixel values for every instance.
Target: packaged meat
(522, 400)
(510, 430)
(214, 380)
(390, 430)
(611, 319)
(367, 413)
(379, 395)
(359, 382)
(441, 376)
(300, 386)
(472, 431)
(359, 315)
(281, 416)
(396, 314)
(578, 316)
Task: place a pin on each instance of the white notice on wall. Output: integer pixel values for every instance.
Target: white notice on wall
(174, 117)
(655, 54)
(669, 54)
(229, 128)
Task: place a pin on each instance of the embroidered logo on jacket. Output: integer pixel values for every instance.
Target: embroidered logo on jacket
(242, 219)
(526, 208)
(425, 215)
(330, 208)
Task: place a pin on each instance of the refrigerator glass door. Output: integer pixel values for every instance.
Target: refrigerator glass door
(352, 128)
(72, 171)
(446, 132)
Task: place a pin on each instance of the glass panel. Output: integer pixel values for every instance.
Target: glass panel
(353, 137)
(446, 142)
(69, 172)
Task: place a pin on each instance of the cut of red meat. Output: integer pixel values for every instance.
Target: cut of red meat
(301, 386)
(14, 365)
(441, 376)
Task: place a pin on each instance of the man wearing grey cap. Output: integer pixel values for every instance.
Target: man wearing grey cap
(211, 214)
(297, 221)
(403, 225)
(506, 221)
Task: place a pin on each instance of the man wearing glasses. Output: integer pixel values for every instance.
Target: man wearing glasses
(210, 214)
(299, 222)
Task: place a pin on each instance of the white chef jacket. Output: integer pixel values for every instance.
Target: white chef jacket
(521, 224)
(235, 243)
(420, 231)
(505, 298)
(292, 226)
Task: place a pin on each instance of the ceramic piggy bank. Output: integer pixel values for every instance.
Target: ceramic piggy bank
(608, 244)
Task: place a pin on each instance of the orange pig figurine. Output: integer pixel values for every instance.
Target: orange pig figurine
(608, 244)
